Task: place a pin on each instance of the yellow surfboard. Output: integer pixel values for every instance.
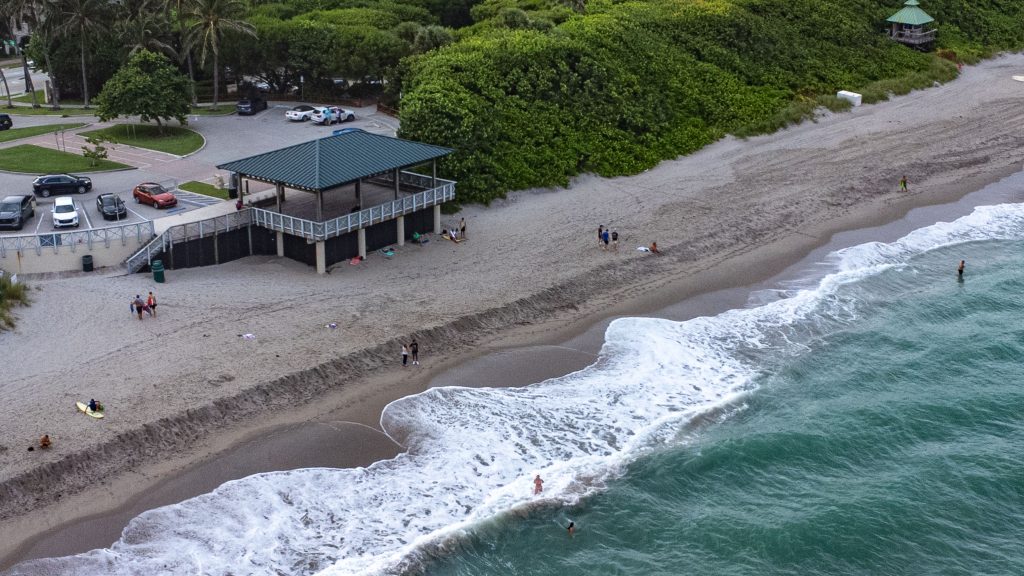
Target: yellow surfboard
(85, 408)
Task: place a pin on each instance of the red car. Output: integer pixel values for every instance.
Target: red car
(154, 194)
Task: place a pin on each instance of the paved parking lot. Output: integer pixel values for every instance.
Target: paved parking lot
(227, 138)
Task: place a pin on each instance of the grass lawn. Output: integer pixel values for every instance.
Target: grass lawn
(29, 158)
(173, 140)
(205, 189)
(27, 99)
(16, 133)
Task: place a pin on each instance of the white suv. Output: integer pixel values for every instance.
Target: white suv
(64, 213)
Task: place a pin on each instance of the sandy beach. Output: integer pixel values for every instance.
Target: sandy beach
(183, 388)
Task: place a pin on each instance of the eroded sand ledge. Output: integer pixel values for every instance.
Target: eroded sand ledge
(184, 386)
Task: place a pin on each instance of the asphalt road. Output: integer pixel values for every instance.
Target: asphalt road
(227, 138)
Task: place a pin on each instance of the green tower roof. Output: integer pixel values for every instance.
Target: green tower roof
(911, 15)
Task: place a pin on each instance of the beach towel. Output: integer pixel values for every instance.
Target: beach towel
(355, 260)
(387, 252)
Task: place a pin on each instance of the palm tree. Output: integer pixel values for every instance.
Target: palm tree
(85, 18)
(142, 25)
(27, 11)
(207, 22)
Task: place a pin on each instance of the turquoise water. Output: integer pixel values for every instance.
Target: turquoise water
(887, 440)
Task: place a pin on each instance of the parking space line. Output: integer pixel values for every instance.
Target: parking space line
(144, 219)
(39, 221)
(88, 222)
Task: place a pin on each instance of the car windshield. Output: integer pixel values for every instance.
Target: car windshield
(60, 208)
(109, 201)
(153, 189)
(9, 207)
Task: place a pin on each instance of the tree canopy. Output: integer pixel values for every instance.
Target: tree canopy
(148, 86)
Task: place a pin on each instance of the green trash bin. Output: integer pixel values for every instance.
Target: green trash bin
(157, 267)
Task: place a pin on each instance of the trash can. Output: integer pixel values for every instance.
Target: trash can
(158, 271)
(87, 263)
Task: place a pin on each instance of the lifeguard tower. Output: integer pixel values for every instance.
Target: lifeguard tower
(909, 26)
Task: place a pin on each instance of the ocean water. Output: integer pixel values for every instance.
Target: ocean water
(867, 420)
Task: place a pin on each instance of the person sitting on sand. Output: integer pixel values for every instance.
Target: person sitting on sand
(92, 405)
(44, 442)
(654, 248)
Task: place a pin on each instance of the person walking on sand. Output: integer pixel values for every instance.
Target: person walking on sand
(600, 235)
(538, 484)
(903, 183)
(415, 349)
(960, 270)
(138, 303)
(405, 355)
(615, 240)
(462, 228)
(605, 237)
(151, 302)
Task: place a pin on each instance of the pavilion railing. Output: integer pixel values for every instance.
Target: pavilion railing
(186, 232)
(914, 36)
(137, 231)
(319, 231)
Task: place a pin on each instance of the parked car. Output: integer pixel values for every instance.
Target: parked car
(5, 121)
(300, 113)
(64, 213)
(111, 207)
(16, 210)
(61, 184)
(248, 106)
(332, 115)
(154, 194)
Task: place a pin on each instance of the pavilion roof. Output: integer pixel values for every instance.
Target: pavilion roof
(911, 14)
(330, 162)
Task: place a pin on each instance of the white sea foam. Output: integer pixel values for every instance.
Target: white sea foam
(472, 452)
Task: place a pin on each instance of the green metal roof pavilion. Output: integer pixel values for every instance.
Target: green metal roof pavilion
(327, 163)
(911, 14)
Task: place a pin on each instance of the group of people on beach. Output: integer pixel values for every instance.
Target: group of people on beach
(606, 237)
(137, 305)
(412, 348)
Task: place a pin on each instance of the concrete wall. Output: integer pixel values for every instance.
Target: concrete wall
(65, 257)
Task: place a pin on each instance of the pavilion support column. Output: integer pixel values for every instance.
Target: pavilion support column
(280, 244)
(279, 195)
(401, 231)
(321, 258)
(433, 173)
(359, 195)
(319, 206)
(437, 218)
(396, 182)
(361, 241)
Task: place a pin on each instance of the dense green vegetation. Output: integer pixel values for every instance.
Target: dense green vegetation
(11, 295)
(537, 96)
(529, 92)
(35, 159)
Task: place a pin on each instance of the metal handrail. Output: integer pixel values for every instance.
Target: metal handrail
(138, 231)
(320, 231)
(185, 232)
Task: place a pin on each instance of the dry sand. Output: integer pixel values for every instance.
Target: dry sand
(185, 385)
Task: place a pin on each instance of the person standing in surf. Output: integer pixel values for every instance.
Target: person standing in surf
(571, 529)
(538, 485)
(960, 270)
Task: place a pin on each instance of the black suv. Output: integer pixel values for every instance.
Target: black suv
(61, 183)
(5, 121)
(251, 105)
(15, 210)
